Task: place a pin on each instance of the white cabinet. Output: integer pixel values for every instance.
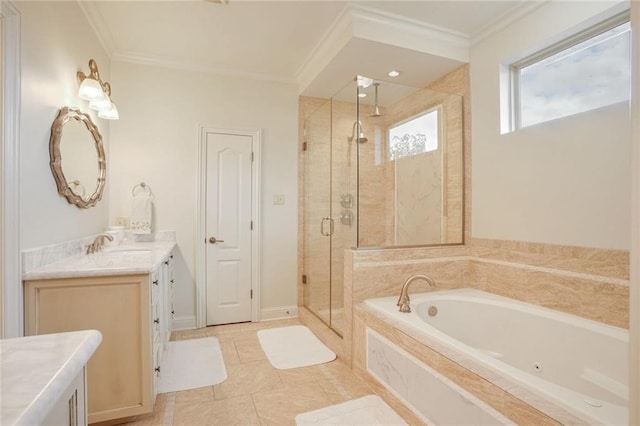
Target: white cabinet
(162, 281)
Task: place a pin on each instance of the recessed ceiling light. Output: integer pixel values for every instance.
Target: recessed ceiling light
(394, 73)
(362, 95)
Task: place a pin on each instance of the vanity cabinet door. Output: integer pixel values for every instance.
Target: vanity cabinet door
(119, 374)
(157, 322)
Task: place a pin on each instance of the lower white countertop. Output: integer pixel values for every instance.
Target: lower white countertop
(36, 370)
(136, 258)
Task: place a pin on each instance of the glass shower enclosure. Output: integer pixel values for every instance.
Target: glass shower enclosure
(383, 167)
(330, 197)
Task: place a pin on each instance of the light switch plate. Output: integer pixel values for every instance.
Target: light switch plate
(278, 199)
(122, 221)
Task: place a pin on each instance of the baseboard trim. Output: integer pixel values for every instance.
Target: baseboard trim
(184, 322)
(281, 312)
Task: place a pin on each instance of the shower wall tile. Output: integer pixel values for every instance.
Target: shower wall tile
(458, 82)
(591, 283)
(602, 262)
(448, 226)
(399, 255)
(384, 280)
(590, 298)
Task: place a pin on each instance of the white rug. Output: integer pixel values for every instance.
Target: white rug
(189, 364)
(293, 347)
(369, 410)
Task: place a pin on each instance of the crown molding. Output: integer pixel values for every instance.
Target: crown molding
(332, 41)
(91, 12)
(386, 27)
(357, 21)
(196, 66)
(505, 19)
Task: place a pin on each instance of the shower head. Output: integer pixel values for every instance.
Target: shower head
(357, 129)
(376, 108)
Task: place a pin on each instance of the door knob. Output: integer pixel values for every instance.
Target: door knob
(213, 240)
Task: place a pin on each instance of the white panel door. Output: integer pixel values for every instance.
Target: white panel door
(228, 228)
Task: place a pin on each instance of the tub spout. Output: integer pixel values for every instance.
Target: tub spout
(403, 300)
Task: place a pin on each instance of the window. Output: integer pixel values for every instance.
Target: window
(415, 136)
(588, 71)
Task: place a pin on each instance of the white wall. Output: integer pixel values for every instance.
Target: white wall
(561, 182)
(57, 42)
(156, 141)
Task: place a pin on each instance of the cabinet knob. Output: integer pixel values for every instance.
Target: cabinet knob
(171, 256)
(173, 312)
(166, 262)
(156, 321)
(157, 371)
(155, 282)
(171, 281)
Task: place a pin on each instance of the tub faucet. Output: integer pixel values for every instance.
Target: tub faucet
(97, 244)
(403, 301)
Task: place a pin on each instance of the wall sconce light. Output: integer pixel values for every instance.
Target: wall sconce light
(97, 92)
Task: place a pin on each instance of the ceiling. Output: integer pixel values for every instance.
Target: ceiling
(319, 45)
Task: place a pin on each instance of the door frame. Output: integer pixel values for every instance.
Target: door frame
(10, 265)
(634, 259)
(201, 279)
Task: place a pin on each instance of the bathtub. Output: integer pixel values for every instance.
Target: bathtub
(556, 362)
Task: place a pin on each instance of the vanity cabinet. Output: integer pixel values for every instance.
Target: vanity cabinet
(131, 312)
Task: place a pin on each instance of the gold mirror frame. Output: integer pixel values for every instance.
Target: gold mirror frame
(64, 115)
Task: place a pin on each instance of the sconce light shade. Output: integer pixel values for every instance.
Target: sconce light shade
(110, 113)
(101, 104)
(97, 92)
(91, 90)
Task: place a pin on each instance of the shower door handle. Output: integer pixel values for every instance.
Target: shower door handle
(330, 233)
(322, 227)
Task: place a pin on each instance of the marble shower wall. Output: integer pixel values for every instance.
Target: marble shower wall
(422, 194)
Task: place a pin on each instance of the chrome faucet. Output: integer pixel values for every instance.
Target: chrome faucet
(97, 244)
(403, 300)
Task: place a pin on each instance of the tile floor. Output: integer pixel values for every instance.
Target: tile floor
(254, 393)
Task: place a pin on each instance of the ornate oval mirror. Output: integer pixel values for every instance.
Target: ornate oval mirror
(77, 158)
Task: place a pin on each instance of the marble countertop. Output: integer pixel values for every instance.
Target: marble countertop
(36, 370)
(135, 258)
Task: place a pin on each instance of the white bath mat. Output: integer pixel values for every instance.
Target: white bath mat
(293, 347)
(190, 364)
(369, 410)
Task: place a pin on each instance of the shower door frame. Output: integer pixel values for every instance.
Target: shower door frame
(308, 280)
